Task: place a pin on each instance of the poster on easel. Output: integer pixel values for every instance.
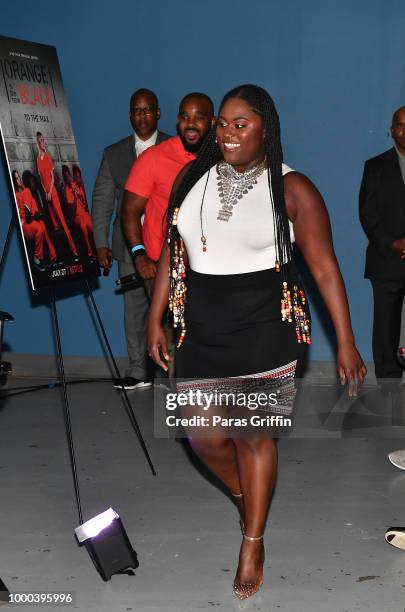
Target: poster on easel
(43, 164)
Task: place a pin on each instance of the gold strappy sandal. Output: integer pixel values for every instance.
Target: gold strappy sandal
(243, 590)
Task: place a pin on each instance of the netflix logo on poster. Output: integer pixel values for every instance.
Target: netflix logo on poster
(75, 269)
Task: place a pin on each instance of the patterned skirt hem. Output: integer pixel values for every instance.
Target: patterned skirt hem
(276, 388)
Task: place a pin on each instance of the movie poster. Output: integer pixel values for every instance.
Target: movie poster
(50, 198)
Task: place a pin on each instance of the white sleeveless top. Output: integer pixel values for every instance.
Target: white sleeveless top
(244, 243)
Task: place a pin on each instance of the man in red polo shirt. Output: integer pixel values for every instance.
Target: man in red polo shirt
(150, 182)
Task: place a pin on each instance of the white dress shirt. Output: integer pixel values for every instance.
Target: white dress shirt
(142, 145)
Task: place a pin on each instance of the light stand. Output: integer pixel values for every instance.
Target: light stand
(104, 535)
(5, 366)
(66, 412)
(6, 242)
(127, 403)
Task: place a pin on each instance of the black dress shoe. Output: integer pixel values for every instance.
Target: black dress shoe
(129, 383)
(396, 537)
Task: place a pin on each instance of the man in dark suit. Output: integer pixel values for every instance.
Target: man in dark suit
(108, 190)
(382, 215)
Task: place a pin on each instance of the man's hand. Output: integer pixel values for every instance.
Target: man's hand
(145, 267)
(104, 255)
(399, 247)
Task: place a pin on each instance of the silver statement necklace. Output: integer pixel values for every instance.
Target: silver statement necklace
(233, 185)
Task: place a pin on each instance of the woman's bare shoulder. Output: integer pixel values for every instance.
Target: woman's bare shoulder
(300, 194)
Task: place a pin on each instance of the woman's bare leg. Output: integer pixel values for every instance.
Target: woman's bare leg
(218, 453)
(257, 466)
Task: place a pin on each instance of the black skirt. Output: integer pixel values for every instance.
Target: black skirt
(234, 331)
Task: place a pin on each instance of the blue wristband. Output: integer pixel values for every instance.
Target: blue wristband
(137, 247)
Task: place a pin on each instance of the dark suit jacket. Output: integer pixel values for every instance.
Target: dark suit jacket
(108, 190)
(382, 215)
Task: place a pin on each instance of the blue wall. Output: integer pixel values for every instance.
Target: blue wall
(335, 70)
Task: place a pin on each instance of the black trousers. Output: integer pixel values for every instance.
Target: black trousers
(388, 299)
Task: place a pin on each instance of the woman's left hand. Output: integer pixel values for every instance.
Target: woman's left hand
(351, 368)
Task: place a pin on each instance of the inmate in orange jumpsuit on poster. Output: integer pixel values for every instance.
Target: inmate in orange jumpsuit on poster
(81, 217)
(76, 199)
(46, 173)
(34, 229)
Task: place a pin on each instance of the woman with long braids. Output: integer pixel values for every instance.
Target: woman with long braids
(234, 294)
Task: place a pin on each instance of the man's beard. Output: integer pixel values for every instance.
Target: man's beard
(194, 147)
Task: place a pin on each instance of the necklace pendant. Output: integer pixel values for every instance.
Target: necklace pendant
(204, 243)
(224, 214)
(233, 185)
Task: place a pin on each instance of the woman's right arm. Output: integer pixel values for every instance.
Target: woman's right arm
(157, 342)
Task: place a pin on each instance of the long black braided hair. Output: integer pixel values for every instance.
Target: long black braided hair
(293, 302)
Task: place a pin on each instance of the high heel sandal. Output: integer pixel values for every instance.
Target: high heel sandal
(243, 590)
(241, 523)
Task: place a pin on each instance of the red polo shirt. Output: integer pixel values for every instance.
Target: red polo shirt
(152, 177)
